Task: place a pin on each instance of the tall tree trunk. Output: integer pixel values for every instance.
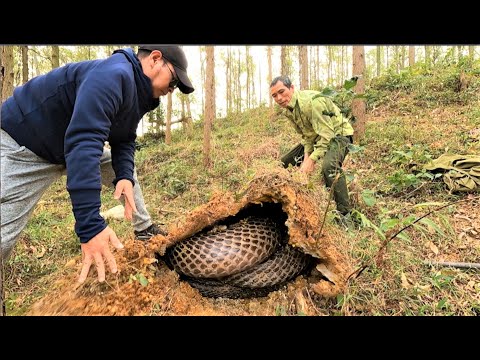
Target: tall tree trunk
(168, 121)
(259, 84)
(209, 106)
(303, 60)
(239, 84)
(183, 116)
(318, 65)
(228, 80)
(471, 52)
(8, 73)
(202, 76)
(402, 57)
(427, 56)
(270, 77)
(24, 64)
(55, 57)
(397, 58)
(460, 55)
(189, 119)
(283, 61)
(248, 76)
(387, 58)
(358, 105)
(330, 60)
(411, 55)
(379, 60)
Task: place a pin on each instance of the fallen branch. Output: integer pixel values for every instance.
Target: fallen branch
(461, 265)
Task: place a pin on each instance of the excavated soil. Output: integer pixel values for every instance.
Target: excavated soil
(144, 284)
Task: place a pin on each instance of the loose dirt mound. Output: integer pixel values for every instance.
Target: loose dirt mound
(145, 285)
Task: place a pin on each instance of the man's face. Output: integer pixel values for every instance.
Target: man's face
(281, 94)
(162, 74)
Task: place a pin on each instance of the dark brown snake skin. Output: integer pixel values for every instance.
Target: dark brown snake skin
(248, 259)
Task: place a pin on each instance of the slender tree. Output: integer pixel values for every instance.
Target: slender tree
(168, 120)
(55, 57)
(303, 61)
(8, 72)
(24, 64)
(411, 55)
(209, 105)
(358, 105)
(270, 78)
(379, 60)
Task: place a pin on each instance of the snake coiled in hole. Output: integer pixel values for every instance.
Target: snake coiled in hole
(247, 259)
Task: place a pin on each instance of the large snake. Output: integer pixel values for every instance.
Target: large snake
(247, 259)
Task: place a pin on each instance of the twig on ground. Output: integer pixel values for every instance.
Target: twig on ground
(381, 251)
(461, 265)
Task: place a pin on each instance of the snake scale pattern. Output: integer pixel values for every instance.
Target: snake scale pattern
(247, 259)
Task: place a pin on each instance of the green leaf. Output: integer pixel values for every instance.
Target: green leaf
(403, 236)
(442, 304)
(328, 92)
(431, 224)
(369, 197)
(143, 280)
(349, 84)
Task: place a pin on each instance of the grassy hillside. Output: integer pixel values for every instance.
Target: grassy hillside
(413, 117)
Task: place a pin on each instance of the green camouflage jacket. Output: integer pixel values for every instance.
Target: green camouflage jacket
(317, 119)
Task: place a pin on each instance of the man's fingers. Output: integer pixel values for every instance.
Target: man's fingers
(111, 261)
(117, 193)
(114, 240)
(130, 200)
(128, 211)
(100, 266)
(87, 262)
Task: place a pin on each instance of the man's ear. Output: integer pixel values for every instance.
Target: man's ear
(156, 55)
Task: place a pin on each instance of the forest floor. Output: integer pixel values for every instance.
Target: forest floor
(386, 184)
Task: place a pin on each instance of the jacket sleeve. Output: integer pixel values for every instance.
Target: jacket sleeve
(323, 126)
(123, 155)
(98, 100)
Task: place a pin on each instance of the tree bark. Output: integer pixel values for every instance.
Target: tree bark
(303, 60)
(24, 64)
(168, 121)
(209, 105)
(379, 60)
(411, 55)
(55, 57)
(358, 105)
(8, 73)
(270, 78)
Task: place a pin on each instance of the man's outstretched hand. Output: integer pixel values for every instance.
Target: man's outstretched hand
(97, 249)
(124, 187)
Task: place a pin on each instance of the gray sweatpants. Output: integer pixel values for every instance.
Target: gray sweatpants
(25, 177)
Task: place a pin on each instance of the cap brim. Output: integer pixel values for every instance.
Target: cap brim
(184, 84)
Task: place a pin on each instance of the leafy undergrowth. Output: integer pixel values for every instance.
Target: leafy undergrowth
(387, 185)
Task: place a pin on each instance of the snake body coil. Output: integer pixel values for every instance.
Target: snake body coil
(249, 258)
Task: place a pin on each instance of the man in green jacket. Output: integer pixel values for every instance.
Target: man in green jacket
(325, 133)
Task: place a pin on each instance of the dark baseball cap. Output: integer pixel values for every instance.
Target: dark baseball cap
(175, 56)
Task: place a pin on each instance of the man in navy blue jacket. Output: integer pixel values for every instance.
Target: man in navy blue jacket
(60, 122)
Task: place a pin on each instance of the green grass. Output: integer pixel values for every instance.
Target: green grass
(397, 144)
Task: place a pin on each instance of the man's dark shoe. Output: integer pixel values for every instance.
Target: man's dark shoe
(146, 234)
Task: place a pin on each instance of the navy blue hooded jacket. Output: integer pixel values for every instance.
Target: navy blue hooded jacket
(66, 115)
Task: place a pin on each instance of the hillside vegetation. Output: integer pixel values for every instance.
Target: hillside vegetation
(413, 117)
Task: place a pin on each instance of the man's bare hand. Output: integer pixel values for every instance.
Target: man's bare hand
(97, 249)
(308, 165)
(124, 187)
